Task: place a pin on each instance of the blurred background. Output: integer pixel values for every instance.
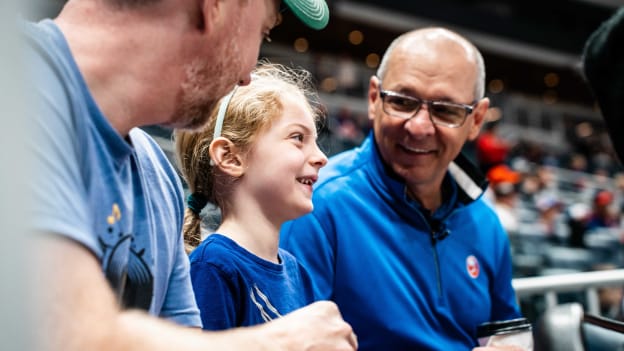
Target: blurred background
(555, 180)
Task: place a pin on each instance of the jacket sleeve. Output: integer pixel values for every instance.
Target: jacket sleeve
(504, 303)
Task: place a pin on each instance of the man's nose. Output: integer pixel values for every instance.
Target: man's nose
(420, 123)
(245, 80)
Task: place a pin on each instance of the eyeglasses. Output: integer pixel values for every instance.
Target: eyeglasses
(443, 113)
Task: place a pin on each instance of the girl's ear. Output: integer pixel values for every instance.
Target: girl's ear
(226, 156)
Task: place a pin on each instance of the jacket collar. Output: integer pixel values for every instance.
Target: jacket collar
(468, 182)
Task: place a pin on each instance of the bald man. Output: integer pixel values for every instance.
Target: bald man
(400, 237)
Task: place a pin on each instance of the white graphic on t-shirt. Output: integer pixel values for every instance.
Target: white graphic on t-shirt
(263, 312)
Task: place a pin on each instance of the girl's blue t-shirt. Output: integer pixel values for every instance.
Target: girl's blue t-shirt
(234, 287)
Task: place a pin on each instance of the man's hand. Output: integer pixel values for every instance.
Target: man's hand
(316, 327)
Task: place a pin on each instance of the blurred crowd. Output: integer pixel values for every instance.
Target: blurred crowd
(563, 211)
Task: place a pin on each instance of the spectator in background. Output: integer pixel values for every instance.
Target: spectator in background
(399, 237)
(504, 184)
(603, 65)
(578, 163)
(602, 214)
(577, 214)
(536, 181)
(551, 221)
(491, 149)
(348, 134)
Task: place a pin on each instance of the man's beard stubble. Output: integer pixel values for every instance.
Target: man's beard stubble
(207, 81)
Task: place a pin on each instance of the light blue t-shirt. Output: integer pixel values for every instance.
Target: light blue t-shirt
(120, 198)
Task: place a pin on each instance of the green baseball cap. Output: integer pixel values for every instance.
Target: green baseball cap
(314, 13)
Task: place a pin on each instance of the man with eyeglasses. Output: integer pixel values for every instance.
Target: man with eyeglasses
(108, 207)
(399, 237)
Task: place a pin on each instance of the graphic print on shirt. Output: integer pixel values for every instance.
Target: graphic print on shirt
(472, 266)
(124, 265)
(261, 301)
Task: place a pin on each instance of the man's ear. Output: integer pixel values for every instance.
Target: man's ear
(211, 13)
(479, 115)
(373, 95)
(226, 156)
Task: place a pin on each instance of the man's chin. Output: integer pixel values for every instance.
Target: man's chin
(193, 120)
(194, 124)
(412, 174)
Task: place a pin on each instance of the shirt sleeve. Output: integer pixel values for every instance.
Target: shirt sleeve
(60, 202)
(179, 305)
(215, 295)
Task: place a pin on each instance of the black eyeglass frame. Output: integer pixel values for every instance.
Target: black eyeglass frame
(469, 109)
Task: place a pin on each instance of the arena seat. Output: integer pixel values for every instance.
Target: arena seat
(566, 327)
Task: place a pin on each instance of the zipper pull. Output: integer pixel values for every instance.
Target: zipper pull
(438, 230)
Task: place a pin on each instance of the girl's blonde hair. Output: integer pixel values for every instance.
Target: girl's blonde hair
(251, 109)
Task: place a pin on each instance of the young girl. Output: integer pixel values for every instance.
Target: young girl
(257, 159)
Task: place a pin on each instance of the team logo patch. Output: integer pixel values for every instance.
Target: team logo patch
(472, 266)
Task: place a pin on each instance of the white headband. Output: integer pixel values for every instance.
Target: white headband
(221, 115)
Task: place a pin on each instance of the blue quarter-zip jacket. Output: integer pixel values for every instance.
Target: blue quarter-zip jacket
(403, 278)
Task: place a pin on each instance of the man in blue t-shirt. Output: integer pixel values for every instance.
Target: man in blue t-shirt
(108, 204)
(400, 237)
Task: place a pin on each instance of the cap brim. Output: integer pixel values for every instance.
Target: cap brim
(314, 13)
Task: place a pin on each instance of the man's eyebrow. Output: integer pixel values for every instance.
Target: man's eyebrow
(409, 92)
